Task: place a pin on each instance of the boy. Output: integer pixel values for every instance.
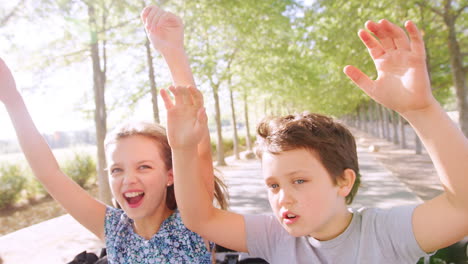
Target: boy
(310, 166)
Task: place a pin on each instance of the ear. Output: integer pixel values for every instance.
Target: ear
(345, 182)
(170, 178)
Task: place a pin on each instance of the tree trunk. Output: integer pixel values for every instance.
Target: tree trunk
(362, 117)
(247, 126)
(358, 118)
(401, 123)
(382, 122)
(449, 16)
(417, 144)
(394, 127)
(235, 138)
(219, 142)
(458, 72)
(386, 124)
(370, 118)
(100, 116)
(152, 80)
(374, 118)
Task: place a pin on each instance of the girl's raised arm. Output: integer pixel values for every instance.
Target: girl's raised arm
(165, 30)
(76, 201)
(186, 126)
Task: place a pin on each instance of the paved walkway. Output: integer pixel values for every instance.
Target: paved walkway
(59, 240)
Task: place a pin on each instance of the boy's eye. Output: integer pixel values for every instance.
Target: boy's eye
(274, 186)
(299, 181)
(143, 167)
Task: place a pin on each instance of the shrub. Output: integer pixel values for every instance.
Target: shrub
(12, 183)
(34, 188)
(228, 145)
(80, 168)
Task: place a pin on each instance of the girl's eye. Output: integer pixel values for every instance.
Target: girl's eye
(115, 171)
(299, 181)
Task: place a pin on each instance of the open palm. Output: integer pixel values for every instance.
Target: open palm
(402, 83)
(186, 118)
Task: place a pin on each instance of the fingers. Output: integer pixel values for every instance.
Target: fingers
(166, 98)
(144, 13)
(197, 96)
(184, 96)
(373, 46)
(360, 79)
(151, 16)
(380, 32)
(201, 116)
(156, 18)
(391, 37)
(398, 35)
(417, 42)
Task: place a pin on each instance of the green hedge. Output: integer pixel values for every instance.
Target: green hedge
(12, 184)
(81, 168)
(228, 145)
(18, 184)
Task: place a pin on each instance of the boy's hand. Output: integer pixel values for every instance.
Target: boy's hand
(8, 91)
(186, 119)
(164, 29)
(403, 82)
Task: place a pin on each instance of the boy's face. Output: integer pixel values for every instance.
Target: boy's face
(302, 194)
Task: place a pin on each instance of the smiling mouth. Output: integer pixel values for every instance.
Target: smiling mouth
(134, 198)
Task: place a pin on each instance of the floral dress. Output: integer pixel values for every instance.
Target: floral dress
(173, 243)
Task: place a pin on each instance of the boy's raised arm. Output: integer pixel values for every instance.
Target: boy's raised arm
(187, 123)
(403, 85)
(82, 206)
(166, 33)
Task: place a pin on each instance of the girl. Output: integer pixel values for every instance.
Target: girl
(148, 228)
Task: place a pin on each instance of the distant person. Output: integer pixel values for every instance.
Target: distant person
(310, 166)
(148, 228)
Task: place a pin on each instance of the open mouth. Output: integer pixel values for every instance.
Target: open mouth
(133, 198)
(290, 216)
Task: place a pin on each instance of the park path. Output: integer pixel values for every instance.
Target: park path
(58, 240)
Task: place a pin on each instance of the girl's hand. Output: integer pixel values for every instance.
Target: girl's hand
(186, 119)
(164, 29)
(403, 82)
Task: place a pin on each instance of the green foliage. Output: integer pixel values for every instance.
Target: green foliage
(12, 182)
(228, 144)
(81, 168)
(34, 189)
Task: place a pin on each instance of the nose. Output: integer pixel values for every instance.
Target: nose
(130, 178)
(285, 197)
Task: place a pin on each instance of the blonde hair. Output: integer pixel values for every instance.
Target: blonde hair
(158, 134)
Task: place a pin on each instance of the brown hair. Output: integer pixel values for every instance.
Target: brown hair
(333, 142)
(158, 134)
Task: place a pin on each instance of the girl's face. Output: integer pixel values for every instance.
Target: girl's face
(138, 176)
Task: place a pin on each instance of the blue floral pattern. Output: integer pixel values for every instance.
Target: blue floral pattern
(173, 243)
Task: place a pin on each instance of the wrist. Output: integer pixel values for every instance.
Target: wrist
(172, 51)
(423, 113)
(184, 150)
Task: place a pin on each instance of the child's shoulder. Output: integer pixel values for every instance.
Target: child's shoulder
(383, 221)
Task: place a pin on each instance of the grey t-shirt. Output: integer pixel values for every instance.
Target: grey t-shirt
(373, 236)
